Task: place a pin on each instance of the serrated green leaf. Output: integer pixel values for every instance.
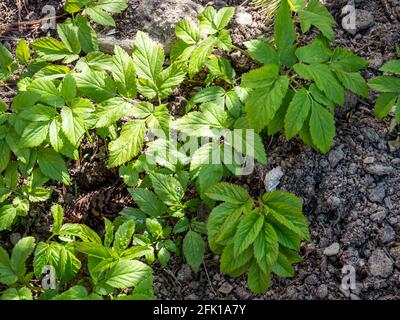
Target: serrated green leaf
(21, 252)
(57, 214)
(297, 113)
(353, 82)
(50, 49)
(258, 280)
(385, 84)
(148, 57)
(392, 66)
(96, 85)
(22, 51)
(7, 275)
(322, 127)
(187, 31)
(262, 51)
(17, 294)
(247, 231)
(47, 91)
(260, 78)
(228, 192)
(223, 17)
(286, 209)
(123, 236)
(34, 134)
(317, 15)
(87, 35)
(129, 143)
(200, 55)
(384, 104)
(266, 247)
(168, 189)
(235, 266)
(148, 202)
(98, 15)
(127, 274)
(324, 79)
(194, 249)
(68, 88)
(53, 166)
(124, 73)
(68, 33)
(263, 104)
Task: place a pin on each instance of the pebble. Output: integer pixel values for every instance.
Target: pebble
(322, 291)
(395, 253)
(387, 234)
(377, 194)
(379, 170)
(244, 18)
(272, 179)
(332, 250)
(369, 160)
(15, 237)
(185, 273)
(335, 156)
(380, 264)
(225, 288)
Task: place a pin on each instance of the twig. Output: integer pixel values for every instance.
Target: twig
(209, 280)
(386, 6)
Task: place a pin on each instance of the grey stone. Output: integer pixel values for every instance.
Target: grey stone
(15, 237)
(380, 264)
(273, 178)
(387, 234)
(363, 20)
(335, 156)
(369, 160)
(379, 170)
(108, 43)
(322, 291)
(243, 18)
(225, 288)
(242, 293)
(159, 18)
(332, 250)
(312, 280)
(395, 253)
(184, 273)
(377, 194)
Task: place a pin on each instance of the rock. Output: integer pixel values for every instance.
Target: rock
(369, 160)
(334, 202)
(242, 293)
(332, 250)
(395, 253)
(363, 20)
(380, 264)
(244, 18)
(379, 170)
(377, 194)
(322, 291)
(192, 297)
(376, 61)
(354, 297)
(387, 234)
(335, 156)
(185, 273)
(225, 288)
(159, 18)
(273, 178)
(107, 44)
(311, 280)
(14, 238)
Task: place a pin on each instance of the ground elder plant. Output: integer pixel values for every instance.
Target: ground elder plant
(175, 168)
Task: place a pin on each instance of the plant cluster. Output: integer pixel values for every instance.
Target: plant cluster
(69, 91)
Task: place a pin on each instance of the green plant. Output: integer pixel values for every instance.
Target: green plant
(298, 88)
(174, 166)
(389, 87)
(260, 236)
(98, 10)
